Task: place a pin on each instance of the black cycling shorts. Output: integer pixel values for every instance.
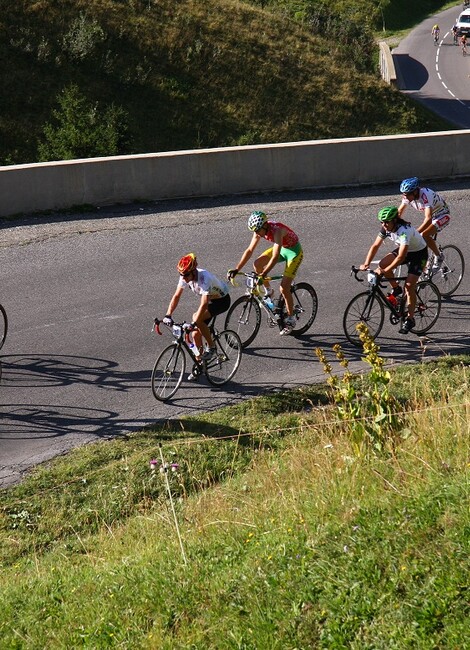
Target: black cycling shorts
(218, 306)
(415, 261)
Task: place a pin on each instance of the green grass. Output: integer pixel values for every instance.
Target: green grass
(292, 539)
(400, 15)
(190, 74)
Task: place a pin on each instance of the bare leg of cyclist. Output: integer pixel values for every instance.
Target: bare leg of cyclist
(410, 290)
(428, 235)
(259, 264)
(386, 261)
(202, 329)
(286, 292)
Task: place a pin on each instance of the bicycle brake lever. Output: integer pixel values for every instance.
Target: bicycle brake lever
(156, 326)
(355, 271)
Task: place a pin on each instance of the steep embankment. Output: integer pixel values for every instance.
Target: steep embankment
(187, 73)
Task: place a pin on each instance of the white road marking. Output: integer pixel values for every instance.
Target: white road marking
(439, 74)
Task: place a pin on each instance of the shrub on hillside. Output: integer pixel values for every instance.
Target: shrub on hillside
(82, 129)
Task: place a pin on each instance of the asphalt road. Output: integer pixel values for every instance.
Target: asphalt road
(81, 293)
(438, 76)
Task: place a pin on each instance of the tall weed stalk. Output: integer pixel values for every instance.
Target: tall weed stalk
(367, 405)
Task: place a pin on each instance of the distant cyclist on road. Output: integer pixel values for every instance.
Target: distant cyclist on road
(286, 247)
(463, 44)
(455, 34)
(436, 213)
(435, 33)
(411, 250)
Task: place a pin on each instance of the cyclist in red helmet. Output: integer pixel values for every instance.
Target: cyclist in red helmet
(286, 248)
(214, 299)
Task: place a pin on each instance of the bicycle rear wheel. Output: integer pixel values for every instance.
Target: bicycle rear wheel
(168, 372)
(450, 275)
(305, 307)
(428, 307)
(244, 318)
(3, 326)
(363, 308)
(224, 365)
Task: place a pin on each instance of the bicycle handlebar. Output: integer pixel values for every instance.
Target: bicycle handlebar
(253, 275)
(184, 326)
(355, 271)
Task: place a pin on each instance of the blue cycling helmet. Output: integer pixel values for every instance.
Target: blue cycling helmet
(409, 185)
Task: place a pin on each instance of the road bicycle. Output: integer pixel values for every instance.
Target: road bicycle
(435, 37)
(448, 278)
(3, 326)
(170, 366)
(245, 313)
(369, 307)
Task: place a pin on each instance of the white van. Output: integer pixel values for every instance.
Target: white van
(463, 23)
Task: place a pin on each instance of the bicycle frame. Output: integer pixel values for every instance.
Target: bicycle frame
(170, 365)
(182, 339)
(254, 289)
(368, 307)
(375, 290)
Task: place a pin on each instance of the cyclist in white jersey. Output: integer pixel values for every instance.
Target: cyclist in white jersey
(215, 299)
(436, 213)
(412, 251)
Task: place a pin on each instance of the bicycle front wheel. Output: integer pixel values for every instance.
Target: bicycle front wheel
(428, 307)
(305, 307)
(450, 275)
(244, 318)
(363, 308)
(3, 326)
(224, 365)
(168, 372)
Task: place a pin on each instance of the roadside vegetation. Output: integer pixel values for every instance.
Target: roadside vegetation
(104, 77)
(330, 516)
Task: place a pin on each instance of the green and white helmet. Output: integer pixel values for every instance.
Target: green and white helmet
(256, 220)
(387, 214)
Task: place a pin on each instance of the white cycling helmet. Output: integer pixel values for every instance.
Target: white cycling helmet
(256, 220)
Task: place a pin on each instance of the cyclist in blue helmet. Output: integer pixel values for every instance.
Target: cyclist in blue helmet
(411, 250)
(435, 209)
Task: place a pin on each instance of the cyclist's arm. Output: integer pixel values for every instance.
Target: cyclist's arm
(278, 237)
(427, 219)
(401, 208)
(273, 259)
(399, 259)
(248, 252)
(174, 301)
(372, 253)
(199, 315)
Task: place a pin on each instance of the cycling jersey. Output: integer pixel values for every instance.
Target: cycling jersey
(405, 234)
(289, 240)
(206, 284)
(428, 199)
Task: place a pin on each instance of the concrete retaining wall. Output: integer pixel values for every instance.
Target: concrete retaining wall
(386, 64)
(233, 170)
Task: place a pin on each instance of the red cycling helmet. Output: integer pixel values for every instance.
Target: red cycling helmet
(187, 264)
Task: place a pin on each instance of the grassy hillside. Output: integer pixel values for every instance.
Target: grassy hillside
(293, 537)
(182, 74)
